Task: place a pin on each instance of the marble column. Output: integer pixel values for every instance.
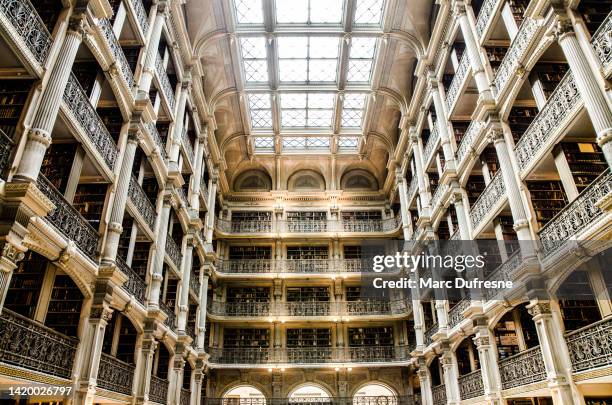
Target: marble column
(451, 376)
(594, 99)
(424, 194)
(198, 172)
(403, 194)
(115, 227)
(205, 270)
(39, 134)
(144, 364)
(175, 375)
(489, 368)
(449, 155)
(153, 48)
(425, 382)
(459, 202)
(157, 266)
(186, 271)
(179, 123)
(210, 216)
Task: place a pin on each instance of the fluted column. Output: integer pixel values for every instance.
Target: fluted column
(594, 99)
(198, 377)
(473, 52)
(210, 217)
(449, 156)
(115, 227)
(175, 375)
(205, 270)
(451, 377)
(425, 382)
(187, 261)
(424, 194)
(152, 49)
(177, 132)
(403, 194)
(458, 201)
(554, 351)
(521, 225)
(197, 173)
(39, 135)
(11, 255)
(145, 363)
(487, 354)
(157, 267)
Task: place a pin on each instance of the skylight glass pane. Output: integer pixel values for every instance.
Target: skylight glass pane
(264, 143)
(362, 47)
(294, 143)
(261, 118)
(292, 11)
(348, 142)
(317, 143)
(359, 70)
(321, 100)
(293, 118)
(293, 47)
(259, 101)
(293, 100)
(293, 70)
(325, 11)
(322, 70)
(253, 47)
(354, 100)
(352, 118)
(320, 118)
(368, 11)
(249, 11)
(324, 47)
(256, 70)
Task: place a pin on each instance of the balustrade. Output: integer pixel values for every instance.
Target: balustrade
(91, 124)
(68, 220)
(547, 125)
(306, 265)
(164, 81)
(117, 52)
(141, 15)
(469, 140)
(6, 147)
(432, 144)
(523, 368)
(433, 329)
(168, 310)
(185, 397)
(455, 314)
(438, 394)
(180, 192)
(437, 196)
(158, 391)
(485, 15)
(134, 285)
(157, 139)
(471, 385)
(591, 347)
(308, 226)
(204, 188)
(194, 283)
(356, 400)
(504, 272)
(115, 375)
(305, 226)
(246, 266)
(173, 252)
(314, 308)
(570, 222)
(491, 196)
(412, 188)
(26, 343)
(29, 26)
(602, 43)
(142, 204)
(187, 145)
(453, 91)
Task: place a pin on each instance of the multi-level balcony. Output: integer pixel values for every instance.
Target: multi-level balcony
(115, 375)
(356, 400)
(294, 266)
(308, 355)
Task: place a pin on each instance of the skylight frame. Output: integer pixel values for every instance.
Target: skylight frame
(308, 21)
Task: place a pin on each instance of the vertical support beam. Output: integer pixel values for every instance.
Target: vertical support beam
(161, 10)
(157, 265)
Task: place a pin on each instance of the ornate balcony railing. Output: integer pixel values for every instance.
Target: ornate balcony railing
(182, 196)
(305, 226)
(437, 195)
(315, 308)
(187, 145)
(204, 188)
(602, 43)
(185, 397)
(29, 26)
(453, 91)
(115, 375)
(412, 188)
(432, 143)
(309, 226)
(87, 117)
(6, 147)
(247, 266)
(356, 400)
(250, 226)
(309, 355)
(305, 265)
(484, 16)
(491, 195)
(240, 309)
(591, 347)
(503, 273)
(433, 329)
(521, 369)
(190, 331)
(561, 105)
(375, 307)
(158, 391)
(577, 216)
(471, 385)
(134, 284)
(164, 81)
(142, 204)
(25, 343)
(438, 394)
(304, 308)
(517, 50)
(455, 315)
(352, 266)
(152, 128)
(194, 283)
(173, 251)
(456, 235)
(168, 310)
(141, 15)
(117, 52)
(469, 140)
(68, 220)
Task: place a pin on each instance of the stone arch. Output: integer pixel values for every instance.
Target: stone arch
(253, 180)
(306, 180)
(358, 179)
(368, 389)
(301, 391)
(238, 389)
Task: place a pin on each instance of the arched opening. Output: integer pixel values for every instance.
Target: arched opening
(309, 394)
(306, 180)
(374, 394)
(118, 353)
(244, 395)
(253, 180)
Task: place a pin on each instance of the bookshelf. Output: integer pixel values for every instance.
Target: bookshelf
(89, 201)
(506, 339)
(495, 54)
(352, 252)
(49, 11)
(586, 162)
(547, 198)
(151, 189)
(518, 8)
(308, 294)
(519, 120)
(86, 73)
(578, 302)
(235, 337)
(459, 129)
(489, 156)
(594, 12)
(132, 53)
(353, 293)
(306, 216)
(64, 310)
(26, 282)
(253, 216)
(248, 294)
(474, 187)
(140, 258)
(318, 337)
(57, 164)
(549, 75)
(371, 336)
(112, 119)
(361, 215)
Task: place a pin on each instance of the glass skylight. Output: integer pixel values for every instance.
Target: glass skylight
(249, 11)
(368, 11)
(305, 143)
(309, 11)
(361, 57)
(308, 59)
(254, 60)
(348, 143)
(301, 110)
(352, 110)
(261, 111)
(264, 144)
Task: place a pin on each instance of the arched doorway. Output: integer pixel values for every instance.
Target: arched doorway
(375, 394)
(309, 394)
(244, 395)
